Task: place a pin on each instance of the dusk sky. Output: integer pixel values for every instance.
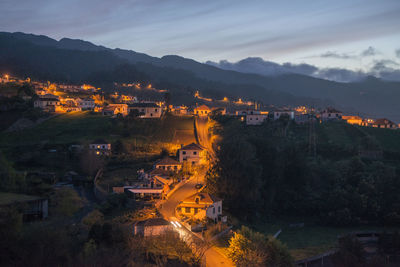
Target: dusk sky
(341, 33)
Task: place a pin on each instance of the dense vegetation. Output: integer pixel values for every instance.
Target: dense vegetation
(268, 171)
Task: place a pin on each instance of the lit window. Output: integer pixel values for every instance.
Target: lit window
(97, 152)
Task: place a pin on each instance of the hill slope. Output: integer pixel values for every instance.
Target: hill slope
(76, 60)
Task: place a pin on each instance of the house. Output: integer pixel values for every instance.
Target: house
(255, 119)
(384, 123)
(152, 227)
(129, 99)
(179, 110)
(200, 206)
(192, 153)
(331, 114)
(86, 103)
(202, 111)
(48, 102)
(168, 164)
(353, 120)
(100, 147)
(115, 109)
(155, 187)
(146, 110)
(31, 207)
(280, 113)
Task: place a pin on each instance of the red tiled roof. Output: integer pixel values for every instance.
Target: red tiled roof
(192, 146)
(167, 161)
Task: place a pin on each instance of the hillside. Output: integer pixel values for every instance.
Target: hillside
(76, 61)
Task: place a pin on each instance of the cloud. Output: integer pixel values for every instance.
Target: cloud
(385, 69)
(397, 53)
(331, 54)
(259, 66)
(370, 51)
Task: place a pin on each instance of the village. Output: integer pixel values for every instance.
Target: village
(172, 192)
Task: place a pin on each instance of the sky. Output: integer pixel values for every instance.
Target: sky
(355, 35)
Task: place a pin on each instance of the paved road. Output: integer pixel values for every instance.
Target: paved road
(212, 256)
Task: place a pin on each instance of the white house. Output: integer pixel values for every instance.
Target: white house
(192, 153)
(115, 109)
(255, 119)
(86, 103)
(168, 164)
(47, 102)
(146, 110)
(200, 206)
(331, 114)
(100, 147)
(279, 113)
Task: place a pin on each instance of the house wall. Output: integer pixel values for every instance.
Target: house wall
(215, 210)
(149, 112)
(169, 167)
(192, 156)
(331, 116)
(255, 119)
(278, 114)
(201, 112)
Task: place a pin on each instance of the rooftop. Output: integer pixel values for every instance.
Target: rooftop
(331, 110)
(383, 121)
(192, 146)
(167, 161)
(143, 105)
(205, 198)
(203, 107)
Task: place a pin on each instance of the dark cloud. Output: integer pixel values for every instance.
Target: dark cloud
(330, 54)
(384, 69)
(370, 51)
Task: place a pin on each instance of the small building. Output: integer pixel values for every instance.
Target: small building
(168, 164)
(100, 147)
(31, 207)
(202, 111)
(152, 227)
(86, 103)
(255, 119)
(280, 113)
(192, 153)
(331, 114)
(201, 206)
(115, 109)
(155, 187)
(357, 120)
(146, 110)
(48, 102)
(384, 123)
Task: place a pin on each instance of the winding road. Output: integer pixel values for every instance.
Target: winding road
(212, 257)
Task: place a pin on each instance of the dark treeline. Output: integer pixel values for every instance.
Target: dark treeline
(267, 171)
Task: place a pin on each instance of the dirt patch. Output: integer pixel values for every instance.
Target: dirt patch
(183, 137)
